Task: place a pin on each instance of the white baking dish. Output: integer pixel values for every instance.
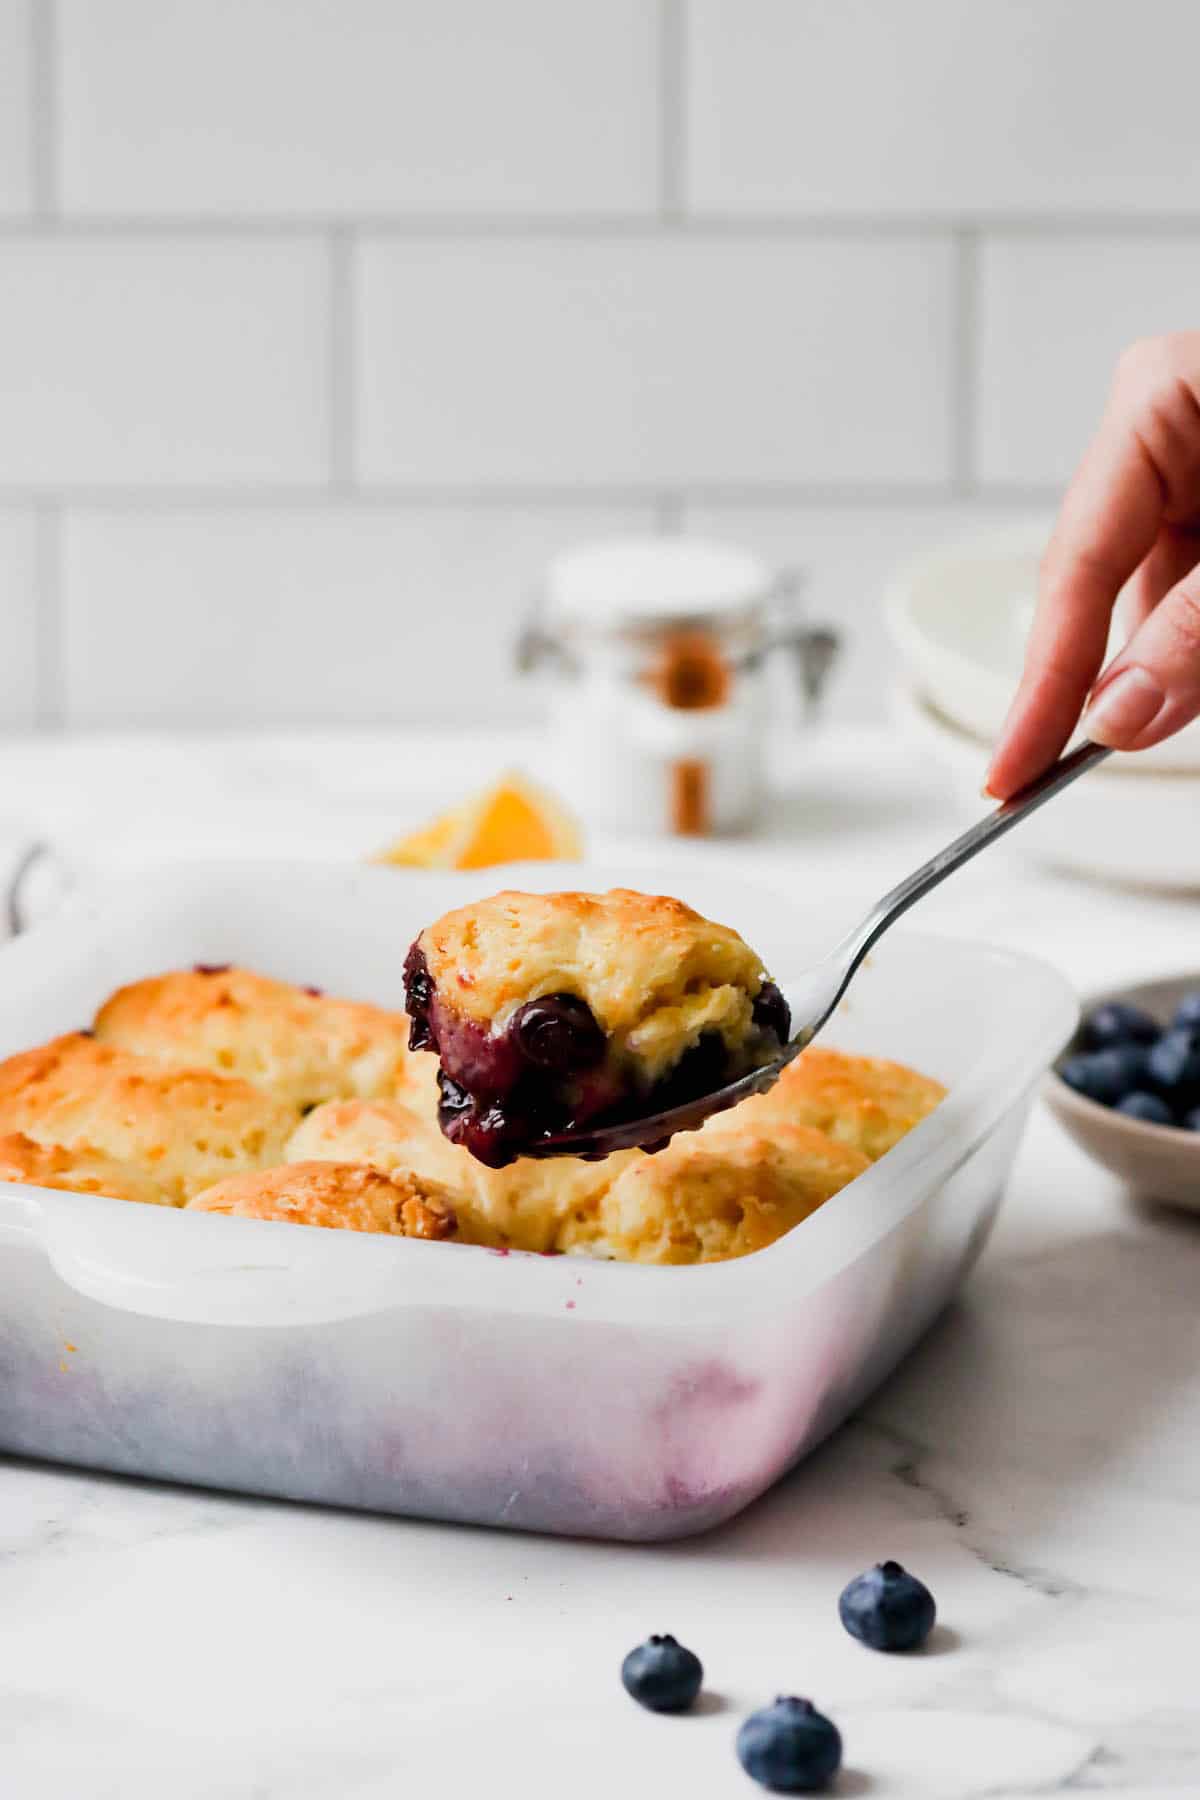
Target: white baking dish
(553, 1394)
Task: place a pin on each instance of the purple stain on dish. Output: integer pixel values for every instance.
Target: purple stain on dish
(211, 968)
(570, 1306)
(712, 1384)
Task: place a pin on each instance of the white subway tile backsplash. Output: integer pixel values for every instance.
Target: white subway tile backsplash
(633, 360)
(16, 106)
(351, 614)
(369, 106)
(1054, 315)
(126, 361)
(939, 106)
(18, 625)
(848, 556)
(468, 282)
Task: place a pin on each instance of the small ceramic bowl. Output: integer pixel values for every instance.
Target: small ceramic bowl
(1160, 1162)
(959, 617)
(1133, 829)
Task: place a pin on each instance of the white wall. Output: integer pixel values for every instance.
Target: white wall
(323, 322)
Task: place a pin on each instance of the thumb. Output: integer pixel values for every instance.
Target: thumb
(1153, 687)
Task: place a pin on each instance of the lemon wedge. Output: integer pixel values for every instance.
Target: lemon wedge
(512, 821)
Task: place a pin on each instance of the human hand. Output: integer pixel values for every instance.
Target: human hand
(1131, 514)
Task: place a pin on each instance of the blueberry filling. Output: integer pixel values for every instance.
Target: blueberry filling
(211, 968)
(418, 997)
(503, 1093)
(772, 1012)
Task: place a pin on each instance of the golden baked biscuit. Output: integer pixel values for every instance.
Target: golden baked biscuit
(519, 1207)
(185, 1128)
(550, 1011)
(700, 1202)
(387, 1134)
(340, 1196)
(302, 1046)
(864, 1101)
(82, 1170)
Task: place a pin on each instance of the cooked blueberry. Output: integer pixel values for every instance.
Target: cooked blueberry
(1150, 1108)
(211, 968)
(1173, 1064)
(887, 1608)
(1116, 1022)
(772, 1012)
(558, 1032)
(1187, 1013)
(790, 1747)
(484, 1128)
(418, 997)
(453, 1099)
(1106, 1075)
(662, 1675)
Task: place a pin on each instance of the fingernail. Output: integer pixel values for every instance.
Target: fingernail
(1123, 708)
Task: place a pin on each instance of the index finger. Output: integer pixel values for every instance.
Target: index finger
(1108, 523)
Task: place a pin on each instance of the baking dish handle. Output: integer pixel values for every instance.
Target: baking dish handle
(20, 1215)
(201, 1270)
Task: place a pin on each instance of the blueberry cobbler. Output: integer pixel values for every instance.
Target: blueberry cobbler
(552, 1012)
(227, 1092)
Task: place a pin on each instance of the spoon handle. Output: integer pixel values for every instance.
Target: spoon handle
(849, 954)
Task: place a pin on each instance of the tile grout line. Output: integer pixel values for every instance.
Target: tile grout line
(573, 228)
(672, 122)
(851, 496)
(44, 120)
(964, 384)
(49, 710)
(342, 352)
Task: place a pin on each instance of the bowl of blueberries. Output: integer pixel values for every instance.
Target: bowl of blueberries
(1127, 1087)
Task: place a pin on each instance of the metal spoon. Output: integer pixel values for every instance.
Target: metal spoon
(816, 993)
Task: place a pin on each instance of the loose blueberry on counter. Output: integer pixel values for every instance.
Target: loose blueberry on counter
(1116, 1022)
(661, 1675)
(1151, 1109)
(790, 1747)
(1187, 1013)
(888, 1608)
(1107, 1075)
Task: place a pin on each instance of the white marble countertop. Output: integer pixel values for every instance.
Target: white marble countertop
(1036, 1461)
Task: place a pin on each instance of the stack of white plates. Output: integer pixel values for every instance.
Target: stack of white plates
(959, 619)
